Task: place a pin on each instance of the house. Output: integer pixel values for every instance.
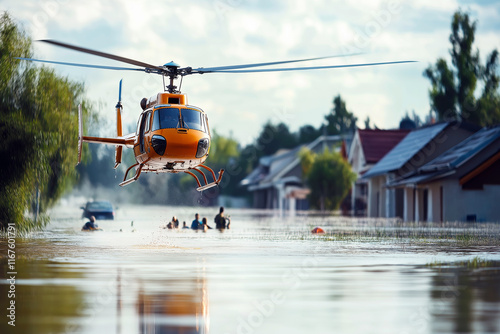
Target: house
(277, 183)
(415, 150)
(462, 184)
(367, 148)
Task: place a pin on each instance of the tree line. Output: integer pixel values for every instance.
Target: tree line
(38, 132)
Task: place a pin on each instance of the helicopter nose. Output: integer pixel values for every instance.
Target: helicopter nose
(181, 145)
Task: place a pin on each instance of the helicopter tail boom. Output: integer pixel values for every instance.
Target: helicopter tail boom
(127, 141)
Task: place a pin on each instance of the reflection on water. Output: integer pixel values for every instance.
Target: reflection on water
(177, 312)
(46, 297)
(250, 279)
(466, 299)
(58, 297)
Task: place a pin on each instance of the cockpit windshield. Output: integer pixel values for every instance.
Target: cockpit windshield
(166, 118)
(169, 118)
(192, 119)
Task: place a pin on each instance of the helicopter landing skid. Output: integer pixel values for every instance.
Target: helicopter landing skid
(207, 185)
(135, 177)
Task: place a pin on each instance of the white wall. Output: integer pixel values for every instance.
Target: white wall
(458, 203)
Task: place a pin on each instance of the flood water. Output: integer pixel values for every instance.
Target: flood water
(267, 274)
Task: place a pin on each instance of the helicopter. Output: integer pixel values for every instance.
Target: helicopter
(171, 136)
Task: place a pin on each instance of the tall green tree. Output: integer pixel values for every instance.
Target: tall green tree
(274, 137)
(225, 154)
(453, 87)
(489, 101)
(410, 122)
(340, 120)
(328, 176)
(367, 123)
(38, 131)
(308, 133)
(442, 93)
(465, 59)
(222, 150)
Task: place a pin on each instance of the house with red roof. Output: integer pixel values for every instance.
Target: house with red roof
(367, 148)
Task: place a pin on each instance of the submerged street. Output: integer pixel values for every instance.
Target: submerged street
(267, 274)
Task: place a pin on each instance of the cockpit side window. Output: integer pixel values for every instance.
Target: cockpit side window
(148, 121)
(208, 126)
(166, 118)
(138, 126)
(203, 124)
(192, 119)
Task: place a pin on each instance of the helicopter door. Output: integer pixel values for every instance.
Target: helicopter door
(142, 132)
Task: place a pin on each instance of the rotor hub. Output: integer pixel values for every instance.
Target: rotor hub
(171, 70)
(171, 64)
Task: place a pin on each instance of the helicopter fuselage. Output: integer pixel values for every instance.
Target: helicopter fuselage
(171, 135)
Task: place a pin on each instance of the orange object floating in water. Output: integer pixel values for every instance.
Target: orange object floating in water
(317, 230)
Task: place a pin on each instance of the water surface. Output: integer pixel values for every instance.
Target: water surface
(267, 274)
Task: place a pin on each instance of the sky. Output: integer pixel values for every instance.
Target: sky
(226, 32)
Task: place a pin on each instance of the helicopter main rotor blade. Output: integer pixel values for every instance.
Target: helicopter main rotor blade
(102, 54)
(308, 68)
(202, 70)
(84, 65)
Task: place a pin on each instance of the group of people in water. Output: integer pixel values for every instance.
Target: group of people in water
(221, 222)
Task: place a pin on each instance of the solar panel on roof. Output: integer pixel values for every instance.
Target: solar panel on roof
(464, 150)
(406, 149)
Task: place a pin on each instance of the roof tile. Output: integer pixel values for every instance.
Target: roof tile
(377, 143)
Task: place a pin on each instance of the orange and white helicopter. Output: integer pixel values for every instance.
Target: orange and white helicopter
(171, 135)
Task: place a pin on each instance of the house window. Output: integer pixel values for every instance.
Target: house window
(363, 189)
